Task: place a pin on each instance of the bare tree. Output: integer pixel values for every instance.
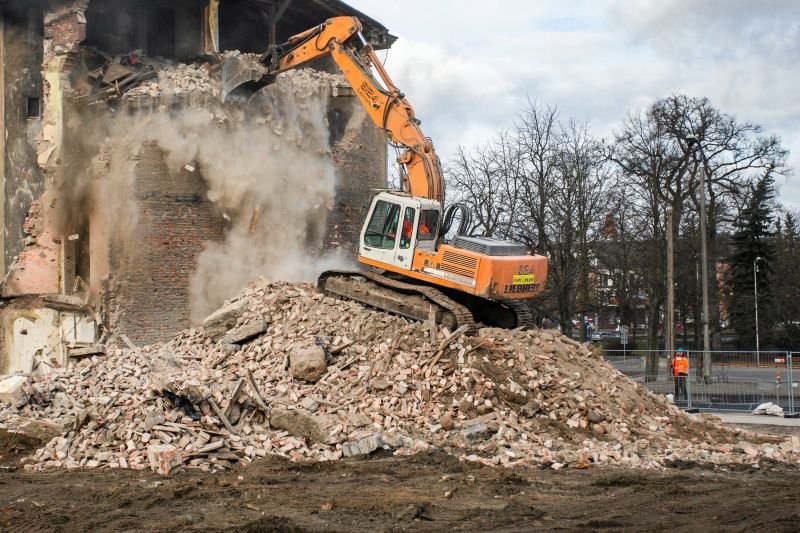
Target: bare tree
(542, 184)
(486, 179)
(577, 207)
(734, 153)
(546, 183)
(653, 166)
(538, 132)
(656, 151)
(620, 253)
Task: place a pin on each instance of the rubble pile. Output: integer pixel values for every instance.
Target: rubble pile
(210, 79)
(114, 77)
(182, 79)
(134, 78)
(283, 370)
(307, 82)
(250, 61)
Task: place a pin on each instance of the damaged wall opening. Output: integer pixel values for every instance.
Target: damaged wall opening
(77, 260)
(242, 26)
(158, 29)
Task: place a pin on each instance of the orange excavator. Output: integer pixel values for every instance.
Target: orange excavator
(410, 267)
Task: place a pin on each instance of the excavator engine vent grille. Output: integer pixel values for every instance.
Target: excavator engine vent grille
(461, 265)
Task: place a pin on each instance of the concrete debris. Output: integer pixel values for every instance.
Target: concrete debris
(308, 363)
(364, 446)
(133, 77)
(219, 81)
(475, 433)
(94, 349)
(500, 398)
(43, 430)
(220, 321)
(317, 429)
(245, 333)
(175, 81)
(64, 302)
(13, 390)
(163, 458)
(116, 77)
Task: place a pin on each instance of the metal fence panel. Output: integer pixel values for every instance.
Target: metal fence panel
(737, 380)
(794, 380)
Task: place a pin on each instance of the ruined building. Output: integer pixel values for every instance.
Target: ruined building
(103, 231)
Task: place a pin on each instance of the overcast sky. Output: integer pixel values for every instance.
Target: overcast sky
(468, 66)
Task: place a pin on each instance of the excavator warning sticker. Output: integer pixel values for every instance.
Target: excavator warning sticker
(523, 279)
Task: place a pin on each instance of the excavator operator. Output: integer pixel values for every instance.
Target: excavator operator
(408, 228)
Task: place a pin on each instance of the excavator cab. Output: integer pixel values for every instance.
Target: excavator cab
(399, 224)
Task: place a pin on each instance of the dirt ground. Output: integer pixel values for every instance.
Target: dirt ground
(429, 492)
(769, 429)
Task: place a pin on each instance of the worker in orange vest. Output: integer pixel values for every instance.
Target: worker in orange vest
(680, 371)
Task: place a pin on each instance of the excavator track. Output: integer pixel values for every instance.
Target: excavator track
(345, 284)
(525, 318)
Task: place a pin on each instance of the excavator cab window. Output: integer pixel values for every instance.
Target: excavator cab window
(408, 228)
(428, 225)
(382, 228)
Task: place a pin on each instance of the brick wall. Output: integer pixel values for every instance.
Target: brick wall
(359, 150)
(149, 294)
(65, 25)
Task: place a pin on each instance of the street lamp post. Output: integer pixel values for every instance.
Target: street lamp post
(755, 294)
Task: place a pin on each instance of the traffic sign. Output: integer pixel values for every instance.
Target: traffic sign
(623, 334)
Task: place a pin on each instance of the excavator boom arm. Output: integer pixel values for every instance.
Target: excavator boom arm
(386, 105)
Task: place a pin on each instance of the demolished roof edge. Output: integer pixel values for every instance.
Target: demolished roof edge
(387, 39)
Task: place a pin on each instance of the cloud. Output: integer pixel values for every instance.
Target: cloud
(711, 29)
(468, 69)
(451, 93)
(741, 54)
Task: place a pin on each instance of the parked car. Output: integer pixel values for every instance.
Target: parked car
(605, 336)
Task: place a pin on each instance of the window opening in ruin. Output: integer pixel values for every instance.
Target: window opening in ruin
(243, 26)
(161, 31)
(171, 30)
(83, 259)
(76, 262)
(340, 110)
(116, 27)
(382, 228)
(34, 107)
(35, 25)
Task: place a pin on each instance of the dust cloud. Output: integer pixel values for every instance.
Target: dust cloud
(269, 171)
(272, 172)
